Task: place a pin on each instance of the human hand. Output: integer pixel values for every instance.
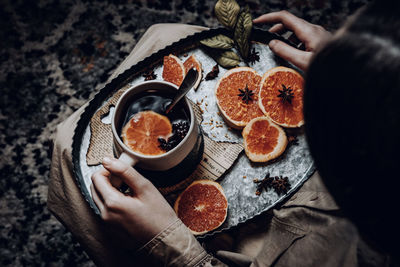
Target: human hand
(310, 35)
(135, 218)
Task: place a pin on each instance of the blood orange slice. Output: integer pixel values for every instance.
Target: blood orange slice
(263, 140)
(230, 92)
(202, 206)
(281, 96)
(142, 131)
(192, 62)
(173, 70)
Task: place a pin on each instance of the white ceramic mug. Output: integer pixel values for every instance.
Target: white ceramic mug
(161, 162)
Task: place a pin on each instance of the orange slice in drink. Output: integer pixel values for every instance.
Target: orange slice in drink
(173, 70)
(142, 131)
(281, 96)
(263, 140)
(192, 62)
(202, 206)
(237, 96)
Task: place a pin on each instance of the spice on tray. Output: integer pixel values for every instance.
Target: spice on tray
(292, 140)
(286, 94)
(246, 94)
(213, 73)
(254, 56)
(263, 184)
(280, 184)
(149, 75)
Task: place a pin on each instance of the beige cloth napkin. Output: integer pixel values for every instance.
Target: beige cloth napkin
(65, 199)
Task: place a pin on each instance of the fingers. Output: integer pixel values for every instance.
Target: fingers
(102, 185)
(127, 174)
(287, 19)
(310, 34)
(116, 181)
(297, 57)
(277, 28)
(303, 29)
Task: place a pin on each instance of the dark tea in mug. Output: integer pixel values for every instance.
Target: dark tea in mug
(147, 130)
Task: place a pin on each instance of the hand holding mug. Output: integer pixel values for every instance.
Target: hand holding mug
(137, 217)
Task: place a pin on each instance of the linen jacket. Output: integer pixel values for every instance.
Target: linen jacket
(307, 230)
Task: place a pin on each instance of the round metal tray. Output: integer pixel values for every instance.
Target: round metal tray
(243, 204)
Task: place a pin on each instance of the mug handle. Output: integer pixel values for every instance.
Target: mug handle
(128, 159)
(131, 161)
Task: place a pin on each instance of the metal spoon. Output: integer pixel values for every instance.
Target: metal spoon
(187, 84)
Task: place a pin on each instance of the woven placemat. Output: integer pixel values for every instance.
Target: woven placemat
(101, 136)
(217, 156)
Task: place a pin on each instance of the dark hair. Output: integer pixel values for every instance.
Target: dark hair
(352, 120)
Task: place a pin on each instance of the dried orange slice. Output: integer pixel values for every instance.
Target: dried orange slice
(142, 131)
(192, 62)
(235, 109)
(202, 206)
(281, 96)
(263, 140)
(173, 70)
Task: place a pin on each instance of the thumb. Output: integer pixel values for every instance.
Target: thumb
(125, 172)
(297, 57)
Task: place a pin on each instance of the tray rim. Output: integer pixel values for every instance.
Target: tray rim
(258, 35)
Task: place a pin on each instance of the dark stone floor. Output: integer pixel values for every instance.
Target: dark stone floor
(54, 57)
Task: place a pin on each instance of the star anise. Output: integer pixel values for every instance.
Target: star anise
(246, 94)
(286, 94)
(149, 75)
(254, 56)
(213, 73)
(263, 184)
(281, 185)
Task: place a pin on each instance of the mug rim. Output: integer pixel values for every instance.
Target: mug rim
(144, 156)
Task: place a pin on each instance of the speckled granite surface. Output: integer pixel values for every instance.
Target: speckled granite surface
(54, 56)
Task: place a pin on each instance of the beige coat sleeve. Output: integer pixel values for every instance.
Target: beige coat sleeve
(176, 246)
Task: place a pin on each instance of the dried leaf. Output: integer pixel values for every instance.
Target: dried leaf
(227, 12)
(242, 32)
(220, 41)
(228, 59)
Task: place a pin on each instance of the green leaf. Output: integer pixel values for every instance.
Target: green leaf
(220, 42)
(228, 59)
(242, 32)
(227, 12)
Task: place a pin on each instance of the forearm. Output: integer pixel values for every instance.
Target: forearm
(176, 246)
